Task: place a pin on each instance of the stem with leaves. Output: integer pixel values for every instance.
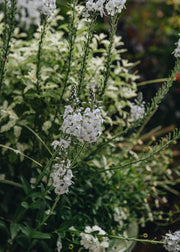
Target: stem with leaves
(39, 53)
(47, 216)
(9, 20)
(71, 40)
(113, 24)
(135, 239)
(86, 50)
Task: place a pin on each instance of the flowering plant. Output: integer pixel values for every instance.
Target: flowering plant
(67, 133)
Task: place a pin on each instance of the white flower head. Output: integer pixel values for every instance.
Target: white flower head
(110, 7)
(59, 246)
(28, 12)
(86, 124)
(177, 50)
(91, 242)
(48, 8)
(172, 241)
(138, 109)
(62, 177)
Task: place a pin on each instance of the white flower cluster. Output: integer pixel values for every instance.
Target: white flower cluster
(61, 143)
(172, 241)
(110, 7)
(119, 215)
(93, 243)
(62, 177)
(84, 124)
(177, 50)
(28, 11)
(137, 112)
(62, 174)
(137, 109)
(48, 8)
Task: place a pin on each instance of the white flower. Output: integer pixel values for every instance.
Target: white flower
(28, 12)
(62, 142)
(137, 109)
(59, 246)
(172, 241)
(177, 50)
(55, 144)
(86, 126)
(99, 6)
(47, 212)
(91, 242)
(48, 8)
(111, 7)
(62, 177)
(90, 5)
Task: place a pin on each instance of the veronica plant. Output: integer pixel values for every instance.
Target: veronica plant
(71, 136)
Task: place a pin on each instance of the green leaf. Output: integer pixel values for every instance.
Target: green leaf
(25, 230)
(4, 233)
(14, 229)
(25, 205)
(26, 185)
(40, 235)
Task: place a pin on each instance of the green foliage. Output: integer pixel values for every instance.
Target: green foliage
(116, 180)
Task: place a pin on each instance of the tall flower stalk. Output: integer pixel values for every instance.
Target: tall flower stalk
(9, 23)
(113, 26)
(39, 54)
(86, 51)
(71, 40)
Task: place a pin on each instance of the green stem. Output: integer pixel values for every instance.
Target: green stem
(145, 122)
(71, 40)
(38, 137)
(51, 210)
(78, 154)
(9, 14)
(86, 50)
(47, 166)
(19, 152)
(9, 182)
(155, 101)
(109, 54)
(39, 53)
(134, 239)
(157, 149)
(151, 82)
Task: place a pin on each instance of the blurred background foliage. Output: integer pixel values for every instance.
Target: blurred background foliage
(150, 30)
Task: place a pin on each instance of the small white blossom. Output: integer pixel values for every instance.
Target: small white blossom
(61, 143)
(33, 180)
(59, 246)
(47, 212)
(91, 242)
(137, 108)
(119, 215)
(172, 241)
(177, 50)
(17, 151)
(48, 8)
